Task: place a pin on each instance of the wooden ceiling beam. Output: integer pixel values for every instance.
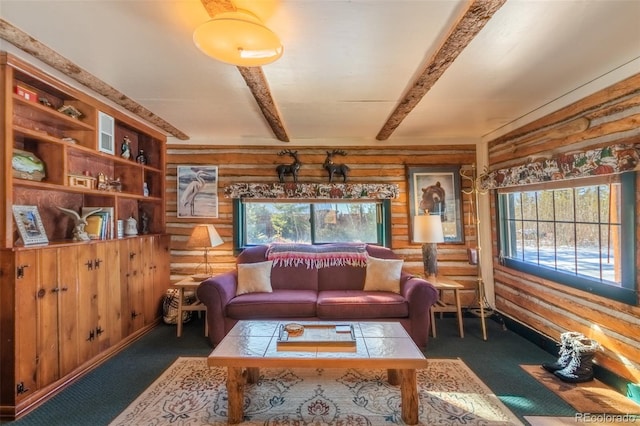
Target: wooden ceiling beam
(257, 82)
(254, 77)
(465, 29)
(213, 7)
(40, 51)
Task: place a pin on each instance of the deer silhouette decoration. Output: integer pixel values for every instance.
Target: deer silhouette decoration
(336, 169)
(289, 169)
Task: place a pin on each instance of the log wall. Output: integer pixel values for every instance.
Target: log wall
(371, 165)
(612, 116)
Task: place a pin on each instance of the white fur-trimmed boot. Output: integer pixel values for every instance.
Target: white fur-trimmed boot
(580, 367)
(566, 349)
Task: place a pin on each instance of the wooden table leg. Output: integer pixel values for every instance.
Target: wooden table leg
(179, 319)
(456, 293)
(253, 374)
(393, 377)
(409, 396)
(235, 394)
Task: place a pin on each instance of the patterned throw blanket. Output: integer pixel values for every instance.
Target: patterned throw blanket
(320, 256)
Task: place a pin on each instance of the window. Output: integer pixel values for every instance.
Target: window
(581, 234)
(317, 222)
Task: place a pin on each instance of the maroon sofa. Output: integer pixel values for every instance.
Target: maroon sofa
(324, 293)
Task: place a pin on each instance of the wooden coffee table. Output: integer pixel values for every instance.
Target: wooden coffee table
(252, 345)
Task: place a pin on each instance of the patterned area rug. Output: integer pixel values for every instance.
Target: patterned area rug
(191, 393)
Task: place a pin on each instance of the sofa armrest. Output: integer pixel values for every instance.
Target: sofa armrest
(421, 295)
(215, 293)
(418, 290)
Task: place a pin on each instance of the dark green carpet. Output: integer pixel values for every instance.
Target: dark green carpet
(102, 394)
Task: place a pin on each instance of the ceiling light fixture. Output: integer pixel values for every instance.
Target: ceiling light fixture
(238, 38)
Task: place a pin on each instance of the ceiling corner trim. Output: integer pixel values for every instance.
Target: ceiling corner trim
(40, 51)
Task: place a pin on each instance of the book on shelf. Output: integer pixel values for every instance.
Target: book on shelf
(106, 223)
(94, 226)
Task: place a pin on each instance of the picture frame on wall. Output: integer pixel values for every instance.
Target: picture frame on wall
(30, 225)
(197, 191)
(106, 133)
(437, 189)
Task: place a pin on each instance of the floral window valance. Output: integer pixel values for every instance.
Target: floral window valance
(312, 190)
(602, 161)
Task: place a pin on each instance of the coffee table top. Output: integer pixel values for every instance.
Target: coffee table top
(378, 345)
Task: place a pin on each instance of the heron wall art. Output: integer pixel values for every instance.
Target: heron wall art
(197, 191)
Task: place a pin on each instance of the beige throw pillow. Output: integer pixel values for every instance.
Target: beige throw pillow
(383, 274)
(254, 277)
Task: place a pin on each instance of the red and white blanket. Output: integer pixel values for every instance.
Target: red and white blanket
(319, 256)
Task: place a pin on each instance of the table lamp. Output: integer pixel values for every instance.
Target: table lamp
(427, 229)
(204, 236)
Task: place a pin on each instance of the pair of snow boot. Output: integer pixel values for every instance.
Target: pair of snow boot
(575, 360)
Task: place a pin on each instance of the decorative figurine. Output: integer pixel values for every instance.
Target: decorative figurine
(125, 148)
(289, 169)
(141, 158)
(144, 218)
(44, 101)
(336, 169)
(70, 111)
(79, 234)
(131, 226)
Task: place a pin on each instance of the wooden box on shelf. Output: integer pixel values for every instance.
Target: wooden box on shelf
(26, 93)
(80, 181)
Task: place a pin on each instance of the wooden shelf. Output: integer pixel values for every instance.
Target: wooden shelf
(66, 305)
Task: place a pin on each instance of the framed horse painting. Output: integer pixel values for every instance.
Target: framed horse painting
(436, 190)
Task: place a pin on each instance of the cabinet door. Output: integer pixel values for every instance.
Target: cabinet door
(161, 269)
(68, 308)
(150, 306)
(111, 304)
(48, 289)
(132, 285)
(89, 264)
(25, 323)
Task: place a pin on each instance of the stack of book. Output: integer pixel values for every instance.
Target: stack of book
(99, 224)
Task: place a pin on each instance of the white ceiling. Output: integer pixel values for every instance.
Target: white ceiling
(346, 63)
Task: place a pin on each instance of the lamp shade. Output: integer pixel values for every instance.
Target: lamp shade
(238, 38)
(427, 229)
(204, 236)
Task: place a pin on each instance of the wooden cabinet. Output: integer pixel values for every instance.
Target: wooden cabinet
(69, 305)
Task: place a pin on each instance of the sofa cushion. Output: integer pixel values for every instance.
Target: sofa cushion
(350, 277)
(383, 274)
(281, 276)
(356, 304)
(277, 304)
(254, 277)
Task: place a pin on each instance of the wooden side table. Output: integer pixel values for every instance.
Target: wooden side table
(447, 284)
(197, 306)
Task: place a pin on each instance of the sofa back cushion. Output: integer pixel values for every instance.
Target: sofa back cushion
(282, 277)
(350, 277)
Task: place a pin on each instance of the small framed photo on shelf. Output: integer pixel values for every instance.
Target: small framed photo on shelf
(30, 225)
